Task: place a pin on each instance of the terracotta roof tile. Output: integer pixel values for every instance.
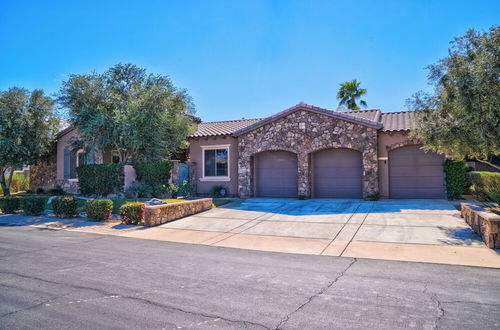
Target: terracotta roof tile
(398, 121)
(227, 127)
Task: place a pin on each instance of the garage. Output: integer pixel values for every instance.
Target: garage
(414, 173)
(337, 173)
(276, 174)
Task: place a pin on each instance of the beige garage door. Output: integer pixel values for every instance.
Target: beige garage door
(414, 173)
(276, 174)
(338, 174)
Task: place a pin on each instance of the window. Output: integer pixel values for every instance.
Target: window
(216, 162)
(80, 158)
(115, 157)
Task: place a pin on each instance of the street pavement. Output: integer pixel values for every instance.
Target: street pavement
(60, 279)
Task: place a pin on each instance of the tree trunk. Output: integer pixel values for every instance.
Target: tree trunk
(6, 183)
(488, 163)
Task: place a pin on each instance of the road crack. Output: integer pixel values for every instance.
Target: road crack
(440, 310)
(320, 292)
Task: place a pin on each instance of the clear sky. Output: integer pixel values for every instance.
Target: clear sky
(240, 58)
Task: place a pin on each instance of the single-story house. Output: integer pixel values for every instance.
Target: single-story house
(302, 151)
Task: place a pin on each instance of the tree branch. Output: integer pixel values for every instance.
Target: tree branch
(488, 163)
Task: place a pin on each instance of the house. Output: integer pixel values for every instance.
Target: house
(302, 151)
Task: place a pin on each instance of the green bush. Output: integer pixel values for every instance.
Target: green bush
(218, 191)
(160, 190)
(65, 206)
(173, 189)
(455, 178)
(139, 189)
(153, 172)
(33, 205)
(485, 185)
(186, 188)
(100, 180)
(132, 213)
(99, 209)
(10, 204)
(56, 191)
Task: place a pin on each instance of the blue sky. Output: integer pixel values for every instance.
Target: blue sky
(240, 58)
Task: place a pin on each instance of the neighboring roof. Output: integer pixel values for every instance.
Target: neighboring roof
(351, 116)
(64, 127)
(398, 121)
(218, 128)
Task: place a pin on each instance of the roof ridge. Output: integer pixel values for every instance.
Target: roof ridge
(402, 111)
(229, 121)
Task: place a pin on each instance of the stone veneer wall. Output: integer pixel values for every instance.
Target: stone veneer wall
(158, 214)
(321, 132)
(43, 172)
(484, 223)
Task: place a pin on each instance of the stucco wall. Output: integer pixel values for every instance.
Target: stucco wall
(196, 155)
(62, 143)
(319, 132)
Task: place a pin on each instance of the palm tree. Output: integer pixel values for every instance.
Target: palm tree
(349, 92)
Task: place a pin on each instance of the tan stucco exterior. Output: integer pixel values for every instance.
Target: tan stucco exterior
(196, 155)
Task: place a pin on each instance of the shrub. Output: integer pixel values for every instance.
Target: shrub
(373, 196)
(160, 190)
(132, 213)
(65, 206)
(101, 179)
(455, 177)
(302, 197)
(218, 191)
(153, 172)
(186, 189)
(56, 191)
(486, 185)
(173, 189)
(99, 209)
(33, 205)
(139, 189)
(40, 191)
(10, 204)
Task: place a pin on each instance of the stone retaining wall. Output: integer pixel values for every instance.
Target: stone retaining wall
(484, 223)
(158, 214)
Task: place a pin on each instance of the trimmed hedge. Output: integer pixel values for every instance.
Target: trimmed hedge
(33, 205)
(455, 177)
(486, 185)
(99, 209)
(10, 204)
(132, 213)
(100, 179)
(65, 206)
(153, 172)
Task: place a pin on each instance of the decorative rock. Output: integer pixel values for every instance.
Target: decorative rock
(156, 201)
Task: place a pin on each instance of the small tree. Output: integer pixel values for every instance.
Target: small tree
(142, 116)
(349, 92)
(27, 130)
(462, 117)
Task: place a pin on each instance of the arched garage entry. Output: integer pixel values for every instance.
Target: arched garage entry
(337, 173)
(414, 173)
(276, 174)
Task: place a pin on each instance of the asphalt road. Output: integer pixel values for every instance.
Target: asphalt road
(68, 280)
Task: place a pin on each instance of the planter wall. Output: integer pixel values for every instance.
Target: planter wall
(158, 214)
(484, 223)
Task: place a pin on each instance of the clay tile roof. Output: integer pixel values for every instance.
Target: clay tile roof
(398, 121)
(227, 127)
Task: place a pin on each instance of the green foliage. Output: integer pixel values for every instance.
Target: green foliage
(302, 197)
(142, 116)
(65, 206)
(173, 190)
(160, 190)
(349, 92)
(99, 209)
(486, 185)
(219, 190)
(18, 183)
(373, 196)
(101, 180)
(27, 130)
(186, 189)
(455, 177)
(461, 118)
(40, 191)
(10, 204)
(33, 205)
(56, 191)
(132, 213)
(153, 172)
(140, 189)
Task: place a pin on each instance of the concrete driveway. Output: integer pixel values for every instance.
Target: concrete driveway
(413, 230)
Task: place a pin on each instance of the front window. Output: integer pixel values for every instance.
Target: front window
(115, 157)
(80, 158)
(216, 162)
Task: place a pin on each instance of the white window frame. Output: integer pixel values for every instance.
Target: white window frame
(216, 178)
(80, 151)
(115, 153)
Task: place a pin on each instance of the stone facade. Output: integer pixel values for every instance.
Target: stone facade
(303, 133)
(484, 223)
(43, 172)
(158, 214)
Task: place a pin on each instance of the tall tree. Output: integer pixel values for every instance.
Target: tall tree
(349, 93)
(462, 117)
(27, 129)
(142, 116)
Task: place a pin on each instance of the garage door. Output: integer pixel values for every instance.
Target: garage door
(414, 173)
(276, 174)
(337, 174)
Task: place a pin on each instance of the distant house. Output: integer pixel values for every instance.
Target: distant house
(302, 151)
